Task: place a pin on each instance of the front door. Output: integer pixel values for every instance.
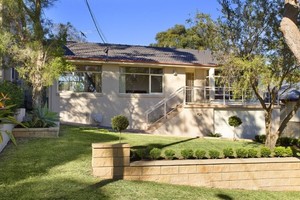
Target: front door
(189, 89)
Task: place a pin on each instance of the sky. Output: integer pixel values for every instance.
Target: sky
(133, 22)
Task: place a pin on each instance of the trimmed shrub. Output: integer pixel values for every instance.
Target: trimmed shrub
(260, 138)
(285, 141)
(265, 152)
(142, 153)
(187, 153)
(155, 153)
(234, 121)
(119, 123)
(279, 151)
(288, 151)
(169, 154)
(298, 144)
(214, 135)
(214, 154)
(241, 153)
(252, 153)
(228, 152)
(14, 93)
(200, 154)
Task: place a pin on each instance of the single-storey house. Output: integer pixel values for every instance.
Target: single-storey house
(161, 91)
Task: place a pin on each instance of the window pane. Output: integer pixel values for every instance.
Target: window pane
(137, 83)
(80, 82)
(156, 71)
(143, 70)
(156, 84)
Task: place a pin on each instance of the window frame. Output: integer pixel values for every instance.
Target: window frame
(84, 69)
(122, 72)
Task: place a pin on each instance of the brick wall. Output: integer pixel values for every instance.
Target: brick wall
(112, 161)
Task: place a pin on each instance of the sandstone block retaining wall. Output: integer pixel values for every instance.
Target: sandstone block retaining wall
(112, 161)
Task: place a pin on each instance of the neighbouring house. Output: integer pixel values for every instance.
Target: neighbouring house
(161, 91)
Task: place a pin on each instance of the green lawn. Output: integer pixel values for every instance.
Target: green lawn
(61, 169)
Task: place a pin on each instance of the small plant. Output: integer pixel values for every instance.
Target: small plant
(187, 153)
(252, 153)
(260, 138)
(234, 121)
(42, 117)
(265, 152)
(142, 153)
(214, 154)
(154, 153)
(170, 154)
(228, 152)
(200, 154)
(214, 135)
(119, 123)
(279, 151)
(288, 151)
(241, 153)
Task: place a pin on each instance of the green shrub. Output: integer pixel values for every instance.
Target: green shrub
(265, 152)
(260, 138)
(214, 154)
(285, 141)
(241, 153)
(119, 123)
(41, 117)
(214, 135)
(288, 151)
(14, 93)
(252, 153)
(155, 153)
(142, 153)
(234, 121)
(228, 152)
(200, 154)
(298, 143)
(279, 151)
(187, 153)
(169, 154)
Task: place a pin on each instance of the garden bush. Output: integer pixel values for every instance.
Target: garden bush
(154, 153)
(142, 153)
(279, 151)
(288, 151)
(241, 153)
(285, 141)
(14, 93)
(260, 138)
(265, 152)
(200, 154)
(252, 153)
(214, 135)
(234, 121)
(169, 154)
(214, 154)
(187, 153)
(119, 123)
(228, 152)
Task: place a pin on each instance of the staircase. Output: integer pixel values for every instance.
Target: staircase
(165, 109)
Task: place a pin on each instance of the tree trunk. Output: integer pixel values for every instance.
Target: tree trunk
(37, 96)
(289, 28)
(271, 138)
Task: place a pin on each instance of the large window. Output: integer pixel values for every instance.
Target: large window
(84, 79)
(141, 80)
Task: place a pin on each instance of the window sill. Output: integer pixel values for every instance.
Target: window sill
(79, 94)
(128, 95)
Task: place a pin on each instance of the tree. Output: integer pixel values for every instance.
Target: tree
(255, 55)
(202, 34)
(36, 53)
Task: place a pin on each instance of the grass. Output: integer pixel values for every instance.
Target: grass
(60, 168)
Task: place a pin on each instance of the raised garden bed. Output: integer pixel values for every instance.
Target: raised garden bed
(51, 132)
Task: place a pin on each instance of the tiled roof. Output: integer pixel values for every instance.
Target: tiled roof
(134, 53)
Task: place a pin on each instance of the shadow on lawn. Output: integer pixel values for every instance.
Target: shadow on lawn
(224, 197)
(34, 157)
(161, 146)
